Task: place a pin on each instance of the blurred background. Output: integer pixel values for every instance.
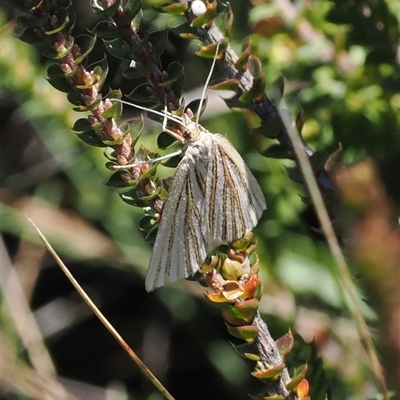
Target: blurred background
(340, 61)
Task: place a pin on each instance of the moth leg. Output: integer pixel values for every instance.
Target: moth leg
(151, 161)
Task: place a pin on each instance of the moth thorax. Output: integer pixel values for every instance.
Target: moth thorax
(193, 131)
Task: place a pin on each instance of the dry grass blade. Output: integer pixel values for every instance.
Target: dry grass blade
(337, 254)
(102, 318)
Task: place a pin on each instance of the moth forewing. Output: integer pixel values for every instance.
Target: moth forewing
(180, 245)
(234, 201)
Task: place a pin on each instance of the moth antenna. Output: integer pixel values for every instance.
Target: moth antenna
(165, 114)
(203, 93)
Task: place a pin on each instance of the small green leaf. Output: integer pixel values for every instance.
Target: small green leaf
(270, 373)
(54, 71)
(81, 125)
(246, 243)
(62, 18)
(141, 95)
(242, 60)
(90, 138)
(60, 84)
(245, 309)
(159, 40)
(100, 71)
(229, 84)
(235, 104)
(255, 67)
(91, 106)
(132, 9)
(148, 223)
(246, 350)
(178, 84)
(134, 128)
(135, 23)
(111, 154)
(106, 30)
(175, 71)
(114, 111)
(252, 356)
(256, 91)
(174, 9)
(285, 344)
(165, 140)
(243, 332)
(172, 162)
(153, 195)
(86, 44)
(118, 48)
(46, 49)
(98, 8)
(183, 29)
(30, 36)
(135, 73)
(116, 179)
(113, 141)
(209, 51)
(299, 375)
(224, 19)
(130, 197)
(75, 98)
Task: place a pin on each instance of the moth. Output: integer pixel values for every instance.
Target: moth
(213, 199)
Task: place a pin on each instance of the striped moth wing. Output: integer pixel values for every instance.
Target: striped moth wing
(234, 201)
(180, 245)
(213, 199)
